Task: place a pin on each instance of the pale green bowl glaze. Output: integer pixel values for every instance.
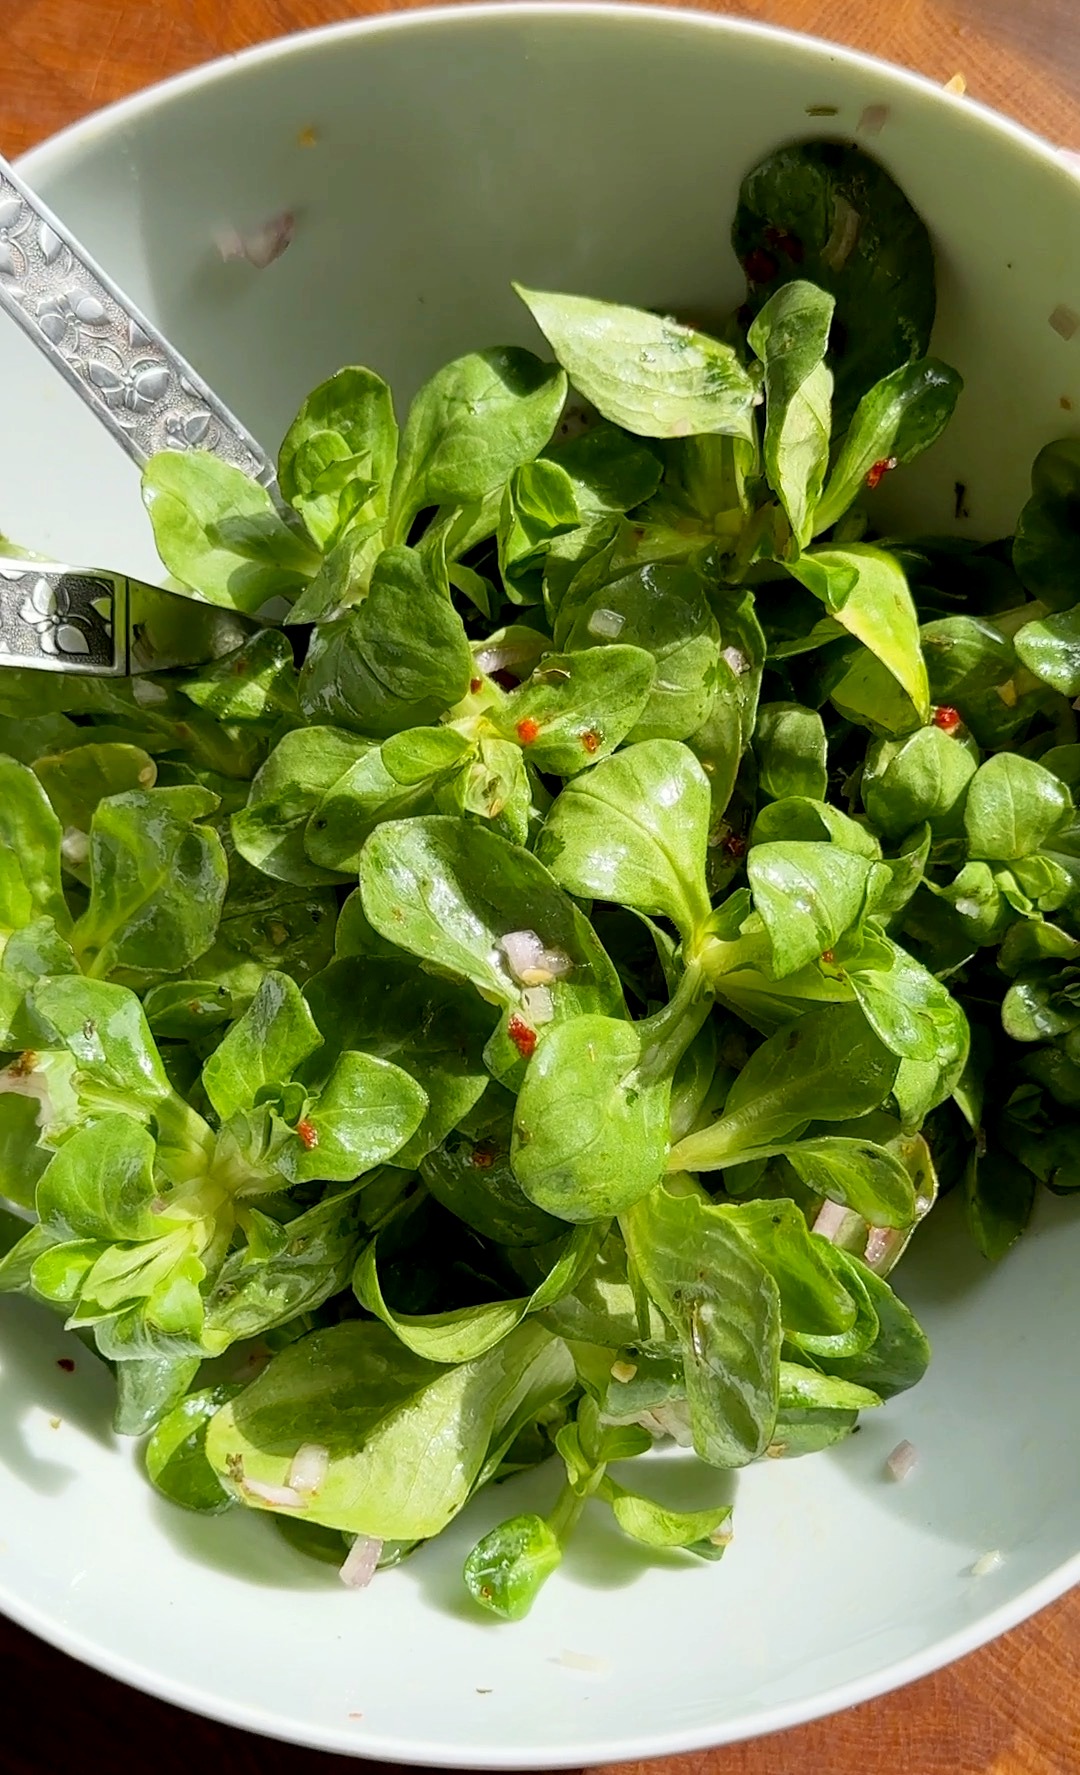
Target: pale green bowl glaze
(596, 150)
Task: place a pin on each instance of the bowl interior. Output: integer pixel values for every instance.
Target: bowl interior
(429, 159)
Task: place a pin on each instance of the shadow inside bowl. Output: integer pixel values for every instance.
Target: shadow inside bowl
(48, 1380)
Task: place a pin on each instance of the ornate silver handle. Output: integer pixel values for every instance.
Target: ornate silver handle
(141, 389)
(104, 625)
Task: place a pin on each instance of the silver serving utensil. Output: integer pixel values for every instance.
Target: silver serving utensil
(62, 618)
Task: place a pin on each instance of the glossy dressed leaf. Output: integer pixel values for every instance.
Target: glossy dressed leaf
(507, 1567)
(538, 505)
(725, 1309)
(798, 818)
(1050, 647)
(1046, 548)
(922, 777)
(100, 1184)
(493, 786)
(400, 660)
(664, 611)
(827, 212)
(807, 895)
(899, 1355)
(635, 830)
(148, 1388)
(590, 1130)
(219, 533)
(790, 746)
(105, 1030)
(354, 805)
(255, 682)
(654, 1525)
(642, 371)
(470, 426)
(264, 1047)
(789, 334)
(1013, 807)
(406, 1438)
(468, 1332)
(30, 834)
(999, 1194)
(861, 1174)
(255, 1293)
(75, 781)
(433, 1030)
(911, 1011)
(875, 607)
(158, 878)
(827, 1067)
(269, 831)
(176, 1454)
(895, 421)
(449, 892)
(582, 705)
(363, 1115)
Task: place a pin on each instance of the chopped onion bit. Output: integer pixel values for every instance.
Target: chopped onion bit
(530, 962)
(361, 1562)
(309, 1467)
(903, 1461)
(538, 1005)
(283, 1495)
(987, 1563)
(606, 623)
(583, 1661)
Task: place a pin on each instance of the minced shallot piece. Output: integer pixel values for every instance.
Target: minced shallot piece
(274, 1494)
(361, 1562)
(987, 1563)
(583, 1661)
(538, 1005)
(830, 1218)
(259, 246)
(606, 623)
(530, 962)
(308, 1470)
(903, 1461)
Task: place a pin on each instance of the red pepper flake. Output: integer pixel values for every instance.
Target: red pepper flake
(879, 470)
(760, 266)
(735, 844)
(523, 1038)
(948, 719)
(591, 741)
(475, 684)
(827, 955)
(528, 730)
(308, 1135)
(483, 1157)
(66, 1363)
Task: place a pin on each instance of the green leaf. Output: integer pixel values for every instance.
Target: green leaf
(911, 1011)
(654, 1525)
(590, 1129)
(470, 426)
(791, 750)
(30, 884)
(468, 1332)
(861, 1174)
(895, 421)
(433, 1030)
(346, 425)
(253, 1292)
(76, 780)
(875, 607)
(999, 1194)
(610, 471)
(100, 1185)
(104, 1029)
(807, 895)
(582, 705)
(635, 830)
(1050, 648)
(450, 891)
(507, 1567)
(922, 777)
(538, 504)
(642, 371)
(813, 822)
(1013, 807)
(827, 1067)
(269, 831)
(899, 1354)
(148, 1388)
(255, 682)
(406, 1438)
(158, 879)
(827, 212)
(354, 805)
(789, 334)
(364, 1114)
(664, 611)
(176, 1453)
(725, 1310)
(1046, 548)
(219, 533)
(264, 1047)
(400, 660)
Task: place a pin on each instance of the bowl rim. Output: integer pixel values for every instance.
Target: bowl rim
(51, 156)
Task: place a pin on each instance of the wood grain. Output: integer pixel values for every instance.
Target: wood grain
(1011, 1709)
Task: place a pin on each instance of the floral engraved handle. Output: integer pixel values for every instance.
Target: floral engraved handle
(63, 619)
(142, 390)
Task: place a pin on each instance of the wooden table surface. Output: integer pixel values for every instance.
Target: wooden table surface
(1011, 1709)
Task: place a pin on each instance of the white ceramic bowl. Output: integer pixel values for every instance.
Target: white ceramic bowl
(598, 150)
